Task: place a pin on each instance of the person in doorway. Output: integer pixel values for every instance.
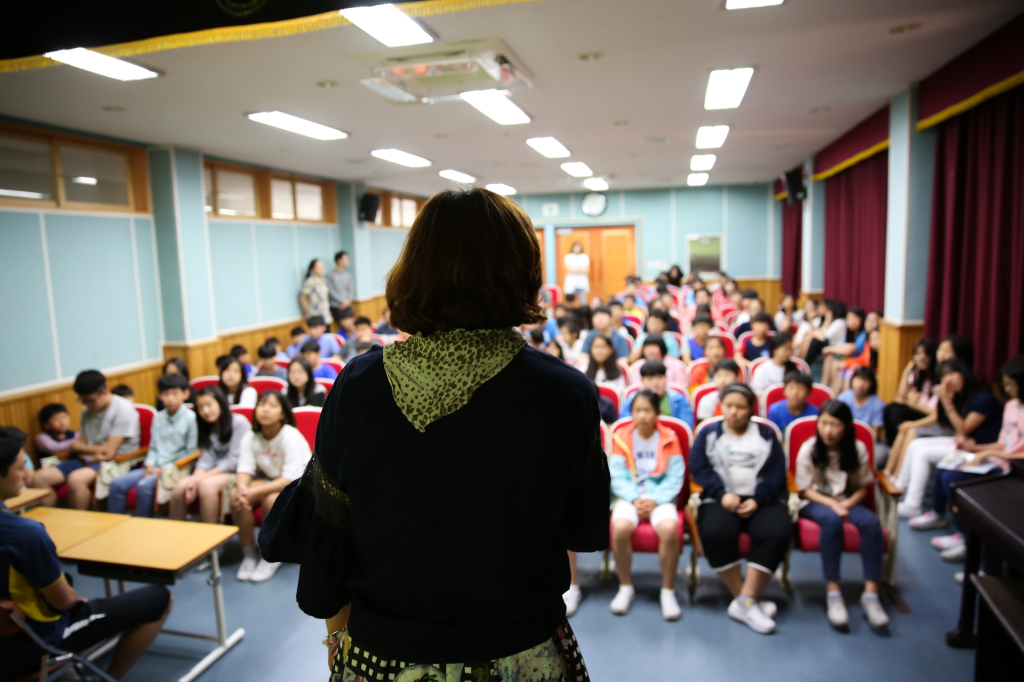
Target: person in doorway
(577, 272)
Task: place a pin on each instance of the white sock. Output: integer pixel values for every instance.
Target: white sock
(834, 594)
(573, 588)
(663, 591)
(870, 596)
(626, 588)
(250, 552)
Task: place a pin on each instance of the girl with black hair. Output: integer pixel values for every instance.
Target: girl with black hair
(778, 366)
(601, 367)
(833, 473)
(852, 345)
(714, 352)
(303, 390)
(832, 332)
(863, 402)
(220, 442)
(740, 466)
(675, 276)
(914, 392)
(970, 415)
(234, 384)
(314, 297)
(956, 346)
(176, 366)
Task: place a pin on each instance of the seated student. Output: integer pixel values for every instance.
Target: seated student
(273, 454)
(302, 387)
(833, 474)
(629, 306)
(553, 348)
(780, 350)
(755, 346)
(311, 351)
(362, 333)
(787, 308)
(742, 470)
(365, 346)
(569, 339)
(600, 365)
(242, 354)
(914, 390)
(384, 327)
(33, 579)
(329, 346)
(699, 331)
(657, 324)
(233, 383)
(177, 366)
(220, 433)
(56, 436)
(298, 339)
(551, 326)
(276, 344)
(110, 427)
(701, 305)
(345, 323)
(671, 402)
(270, 368)
(797, 387)
(653, 348)
(853, 345)
(601, 321)
(864, 403)
(646, 466)
(747, 310)
(535, 338)
(617, 325)
(125, 391)
(973, 414)
(830, 332)
(1009, 446)
(714, 351)
(726, 372)
(173, 435)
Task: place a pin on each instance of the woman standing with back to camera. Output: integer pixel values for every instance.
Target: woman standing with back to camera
(446, 555)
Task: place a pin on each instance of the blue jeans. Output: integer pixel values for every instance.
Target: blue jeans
(941, 494)
(872, 542)
(145, 487)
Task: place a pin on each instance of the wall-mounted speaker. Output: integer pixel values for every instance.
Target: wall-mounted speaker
(368, 207)
(795, 190)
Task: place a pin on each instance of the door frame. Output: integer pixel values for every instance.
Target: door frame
(549, 225)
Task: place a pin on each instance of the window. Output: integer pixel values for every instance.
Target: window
(26, 171)
(396, 210)
(282, 203)
(94, 176)
(208, 189)
(310, 201)
(235, 191)
(705, 254)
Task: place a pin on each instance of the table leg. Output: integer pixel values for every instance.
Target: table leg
(108, 587)
(225, 642)
(963, 636)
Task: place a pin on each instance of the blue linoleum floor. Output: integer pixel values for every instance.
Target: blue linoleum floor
(281, 643)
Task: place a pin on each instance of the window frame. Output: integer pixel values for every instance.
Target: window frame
(262, 179)
(385, 208)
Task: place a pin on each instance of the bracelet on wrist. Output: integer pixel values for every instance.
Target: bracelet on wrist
(333, 638)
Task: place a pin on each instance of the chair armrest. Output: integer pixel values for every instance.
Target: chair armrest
(129, 456)
(887, 485)
(791, 483)
(186, 460)
(696, 488)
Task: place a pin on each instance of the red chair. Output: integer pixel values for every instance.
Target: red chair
(612, 395)
(808, 533)
(629, 341)
(554, 293)
(730, 317)
(623, 364)
(199, 383)
(326, 383)
(645, 538)
(820, 393)
(800, 364)
(691, 369)
(633, 320)
(306, 420)
(263, 384)
(635, 326)
(742, 340)
(678, 337)
(244, 411)
(338, 365)
(699, 394)
(727, 338)
(630, 391)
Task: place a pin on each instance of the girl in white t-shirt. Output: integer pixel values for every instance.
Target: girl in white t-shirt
(234, 384)
(601, 366)
(272, 455)
(772, 372)
(577, 272)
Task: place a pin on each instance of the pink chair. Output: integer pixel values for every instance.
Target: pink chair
(554, 293)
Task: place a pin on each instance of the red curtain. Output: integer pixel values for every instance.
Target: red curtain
(855, 218)
(976, 262)
(792, 245)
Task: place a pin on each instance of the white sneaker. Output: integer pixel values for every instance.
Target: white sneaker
(264, 571)
(905, 511)
(246, 569)
(872, 606)
(768, 608)
(746, 611)
(928, 521)
(955, 555)
(944, 542)
(572, 598)
(623, 599)
(837, 614)
(670, 605)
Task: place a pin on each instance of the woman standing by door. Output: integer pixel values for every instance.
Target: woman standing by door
(577, 273)
(315, 298)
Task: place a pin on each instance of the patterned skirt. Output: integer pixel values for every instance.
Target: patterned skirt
(556, 660)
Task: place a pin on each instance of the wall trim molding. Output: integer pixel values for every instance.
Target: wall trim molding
(903, 323)
(253, 327)
(69, 211)
(49, 299)
(67, 381)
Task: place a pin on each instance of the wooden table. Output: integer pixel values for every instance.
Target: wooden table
(28, 498)
(69, 527)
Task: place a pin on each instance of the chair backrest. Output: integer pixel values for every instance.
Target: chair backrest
(306, 420)
(629, 392)
(730, 317)
(554, 293)
(341, 339)
(755, 364)
(685, 435)
(199, 383)
(819, 394)
(629, 341)
(702, 362)
(244, 411)
(623, 364)
(635, 326)
(680, 388)
(326, 383)
(803, 429)
(146, 414)
(263, 384)
(749, 335)
(606, 436)
(677, 336)
(627, 319)
(612, 395)
(730, 342)
(338, 365)
(700, 393)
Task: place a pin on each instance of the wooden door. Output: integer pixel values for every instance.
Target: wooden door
(612, 256)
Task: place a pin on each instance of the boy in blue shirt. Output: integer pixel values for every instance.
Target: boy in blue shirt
(329, 346)
(756, 346)
(270, 360)
(311, 351)
(174, 434)
(31, 577)
(298, 338)
(671, 403)
(798, 387)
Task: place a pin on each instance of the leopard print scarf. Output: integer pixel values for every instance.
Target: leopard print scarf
(433, 376)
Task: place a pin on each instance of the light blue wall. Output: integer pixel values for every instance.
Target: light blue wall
(385, 247)
(188, 174)
(165, 223)
(234, 275)
(748, 231)
(145, 248)
(775, 262)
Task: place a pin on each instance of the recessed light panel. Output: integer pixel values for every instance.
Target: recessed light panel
(495, 105)
(596, 184)
(726, 88)
(577, 169)
(499, 188)
(456, 176)
(747, 4)
(697, 179)
(702, 162)
(84, 180)
(711, 137)
(388, 24)
(102, 64)
(549, 147)
(294, 124)
(400, 157)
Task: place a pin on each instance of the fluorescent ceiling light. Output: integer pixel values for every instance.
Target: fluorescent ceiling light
(577, 169)
(19, 194)
(702, 162)
(495, 105)
(549, 147)
(101, 64)
(499, 188)
(400, 157)
(747, 4)
(457, 176)
(726, 88)
(388, 89)
(697, 179)
(294, 124)
(84, 180)
(596, 184)
(388, 24)
(711, 137)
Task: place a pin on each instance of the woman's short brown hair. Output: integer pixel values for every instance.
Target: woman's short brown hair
(471, 261)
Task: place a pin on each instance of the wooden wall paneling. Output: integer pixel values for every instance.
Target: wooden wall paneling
(371, 307)
(770, 291)
(895, 351)
(201, 358)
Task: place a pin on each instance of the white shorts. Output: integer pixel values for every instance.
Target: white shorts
(626, 510)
